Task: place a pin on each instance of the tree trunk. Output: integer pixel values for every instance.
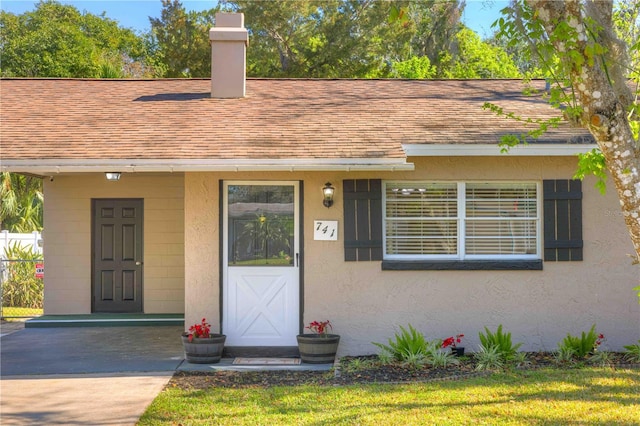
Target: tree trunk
(601, 90)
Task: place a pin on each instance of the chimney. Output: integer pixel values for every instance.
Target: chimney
(229, 39)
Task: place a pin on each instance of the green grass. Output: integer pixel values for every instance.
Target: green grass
(550, 396)
(9, 312)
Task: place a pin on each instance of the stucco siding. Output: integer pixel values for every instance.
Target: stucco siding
(67, 239)
(366, 304)
(202, 239)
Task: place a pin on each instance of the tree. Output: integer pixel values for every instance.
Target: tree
(589, 68)
(519, 52)
(333, 38)
(476, 59)
(182, 40)
(436, 25)
(626, 23)
(22, 200)
(57, 40)
(473, 58)
(336, 39)
(415, 67)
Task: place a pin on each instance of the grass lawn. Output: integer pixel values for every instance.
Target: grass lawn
(586, 396)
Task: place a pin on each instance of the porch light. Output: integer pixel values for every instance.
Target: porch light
(328, 191)
(112, 176)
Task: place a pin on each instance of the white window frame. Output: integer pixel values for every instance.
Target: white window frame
(461, 221)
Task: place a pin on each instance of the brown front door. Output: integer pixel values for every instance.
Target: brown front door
(117, 255)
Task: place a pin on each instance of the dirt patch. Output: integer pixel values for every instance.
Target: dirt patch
(359, 370)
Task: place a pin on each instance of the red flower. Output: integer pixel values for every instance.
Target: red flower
(451, 341)
(320, 327)
(200, 330)
(448, 342)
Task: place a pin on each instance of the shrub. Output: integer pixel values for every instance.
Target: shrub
(21, 288)
(581, 346)
(632, 352)
(409, 345)
(565, 355)
(520, 359)
(500, 341)
(413, 359)
(352, 365)
(601, 359)
(438, 358)
(488, 358)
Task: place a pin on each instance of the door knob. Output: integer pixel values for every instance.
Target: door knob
(138, 263)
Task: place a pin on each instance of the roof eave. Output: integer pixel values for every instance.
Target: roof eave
(490, 150)
(55, 166)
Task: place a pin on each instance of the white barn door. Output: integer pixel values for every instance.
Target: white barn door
(261, 282)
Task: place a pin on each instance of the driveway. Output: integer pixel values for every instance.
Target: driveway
(84, 376)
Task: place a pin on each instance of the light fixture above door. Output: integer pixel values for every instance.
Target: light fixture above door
(328, 191)
(112, 176)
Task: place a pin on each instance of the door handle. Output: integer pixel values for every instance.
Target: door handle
(138, 263)
(297, 259)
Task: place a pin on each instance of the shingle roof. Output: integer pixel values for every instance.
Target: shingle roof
(278, 119)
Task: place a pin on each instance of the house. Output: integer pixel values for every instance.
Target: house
(220, 212)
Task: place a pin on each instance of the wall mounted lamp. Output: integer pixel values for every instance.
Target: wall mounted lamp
(328, 191)
(112, 176)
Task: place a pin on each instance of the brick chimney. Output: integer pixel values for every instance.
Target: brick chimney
(229, 39)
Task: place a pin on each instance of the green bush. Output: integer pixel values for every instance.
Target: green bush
(499, 342)
(565, 355)
(408, 346)
(488, 358)
(437, 358)
(632, 352)
(601, 359)
(581, 346)
(21, 288)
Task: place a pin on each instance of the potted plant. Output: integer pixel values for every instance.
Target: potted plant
(453, 341)
(201, 346)
(318, 347)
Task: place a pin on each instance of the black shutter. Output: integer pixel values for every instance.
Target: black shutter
(362, 219)
(562, 220)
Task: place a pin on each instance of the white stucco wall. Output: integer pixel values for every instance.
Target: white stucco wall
(366, 304)
(67, 239)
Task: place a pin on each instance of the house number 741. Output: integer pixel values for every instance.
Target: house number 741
(325, 230)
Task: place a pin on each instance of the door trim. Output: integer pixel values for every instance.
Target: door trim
(223, 257)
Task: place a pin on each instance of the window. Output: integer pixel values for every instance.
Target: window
(463, 220)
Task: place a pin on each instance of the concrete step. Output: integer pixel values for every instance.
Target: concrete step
(106, 320)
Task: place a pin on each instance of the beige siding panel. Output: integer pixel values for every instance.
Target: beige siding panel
(67, 247)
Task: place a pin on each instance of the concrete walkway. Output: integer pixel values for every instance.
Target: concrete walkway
(91, 376)
(78, 399)
(83, 376)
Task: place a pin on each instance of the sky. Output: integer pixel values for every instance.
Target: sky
(479, 14)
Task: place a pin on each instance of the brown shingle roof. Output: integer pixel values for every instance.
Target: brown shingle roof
(279, 118)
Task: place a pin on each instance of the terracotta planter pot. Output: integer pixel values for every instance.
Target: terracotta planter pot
(203, 350)
(318, 349)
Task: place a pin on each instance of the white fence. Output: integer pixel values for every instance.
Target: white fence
(33, 240)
